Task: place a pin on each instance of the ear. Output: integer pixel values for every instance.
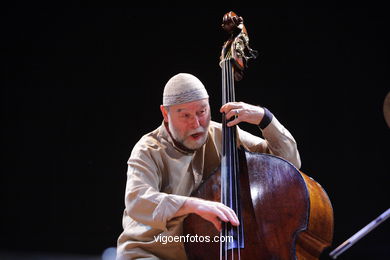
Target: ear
(164, 113)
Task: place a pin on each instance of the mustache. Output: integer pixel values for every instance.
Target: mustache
(199, 130)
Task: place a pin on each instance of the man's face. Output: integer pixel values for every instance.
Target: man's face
(188, 123)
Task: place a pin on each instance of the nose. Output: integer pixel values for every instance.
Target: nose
(195, 123)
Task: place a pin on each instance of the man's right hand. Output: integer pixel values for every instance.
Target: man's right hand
(212, 211)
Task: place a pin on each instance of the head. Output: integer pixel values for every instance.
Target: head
(186, 110)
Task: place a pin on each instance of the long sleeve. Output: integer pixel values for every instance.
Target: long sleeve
(159, 180)
(144, 201)
(277, 141)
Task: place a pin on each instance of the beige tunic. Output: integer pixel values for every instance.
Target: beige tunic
(160, 176)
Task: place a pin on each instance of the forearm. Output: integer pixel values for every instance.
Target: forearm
(280, 142)
(212, 211)
(189, 206)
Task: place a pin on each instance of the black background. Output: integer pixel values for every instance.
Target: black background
(81, 85)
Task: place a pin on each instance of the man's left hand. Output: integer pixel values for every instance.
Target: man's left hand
(243, 112)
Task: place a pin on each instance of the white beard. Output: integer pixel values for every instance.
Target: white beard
(186, 141)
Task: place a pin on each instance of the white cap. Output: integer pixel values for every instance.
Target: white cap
(183, 88)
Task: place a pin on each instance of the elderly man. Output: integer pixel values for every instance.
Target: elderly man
(168, 164)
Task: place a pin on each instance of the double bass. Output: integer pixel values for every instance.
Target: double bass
(283, 213)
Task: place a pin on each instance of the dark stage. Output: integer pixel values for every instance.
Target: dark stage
(81, 85)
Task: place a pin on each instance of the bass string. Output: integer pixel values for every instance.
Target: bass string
(234, 168)
(229, 194)
(224, 186)
(234, 161)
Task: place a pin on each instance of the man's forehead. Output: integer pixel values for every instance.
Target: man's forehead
(195, 105)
